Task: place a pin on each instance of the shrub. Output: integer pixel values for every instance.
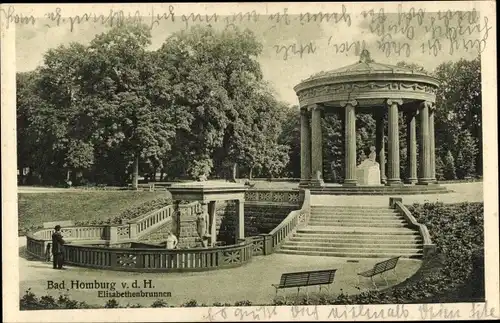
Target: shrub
(439, 168)
(449, 166)
(159, 303)
(190, 303)
(112, 303)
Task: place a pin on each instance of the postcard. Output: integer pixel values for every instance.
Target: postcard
(249, 161)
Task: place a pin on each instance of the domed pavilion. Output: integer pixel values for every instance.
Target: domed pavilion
(379, 89)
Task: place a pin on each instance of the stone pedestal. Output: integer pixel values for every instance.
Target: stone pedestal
(368, 173)
(207, 193)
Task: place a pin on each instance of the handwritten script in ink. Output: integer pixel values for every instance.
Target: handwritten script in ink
(396, 34)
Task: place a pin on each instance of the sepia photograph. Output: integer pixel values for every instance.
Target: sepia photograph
(327, 160)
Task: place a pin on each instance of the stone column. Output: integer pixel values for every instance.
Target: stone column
(393, 142)
(212, 214)
(240, 224)
(305, 148)
(317, 147)
(350, 142)
(411, 146)
(380, 144)
(432, 108)
(425, 158)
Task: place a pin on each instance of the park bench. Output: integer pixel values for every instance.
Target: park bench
(380, 269)
(305, 279)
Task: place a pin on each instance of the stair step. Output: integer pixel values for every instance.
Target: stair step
(349, 254)
(353, 249)
(361, 245)
(329, 231)
(361, 217)
(358, 239)
(351, 207)
(384, 224)
(358, 219)
(354, 212)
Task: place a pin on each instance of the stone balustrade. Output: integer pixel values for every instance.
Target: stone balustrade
(429, 248)
(263, 196)
(164, 260)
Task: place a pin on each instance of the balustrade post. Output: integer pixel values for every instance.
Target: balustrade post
(132, 230)
(267, 244)
(240, 213)
(212, 215)
(113, 234)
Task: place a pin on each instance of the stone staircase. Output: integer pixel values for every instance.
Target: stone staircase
(354, 232)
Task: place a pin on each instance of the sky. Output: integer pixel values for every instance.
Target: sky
(295, 48)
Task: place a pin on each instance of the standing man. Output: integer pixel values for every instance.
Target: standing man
(57, 248)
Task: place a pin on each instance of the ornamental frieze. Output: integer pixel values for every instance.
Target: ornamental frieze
(371, 86)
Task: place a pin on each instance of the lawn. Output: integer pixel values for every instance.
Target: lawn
(34, 209)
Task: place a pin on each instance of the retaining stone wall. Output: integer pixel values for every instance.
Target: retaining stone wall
(258, 219)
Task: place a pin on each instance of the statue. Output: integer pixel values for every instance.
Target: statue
(373, 155)
(368, 172)
(202, 178)
(201, 228)
(365, 57)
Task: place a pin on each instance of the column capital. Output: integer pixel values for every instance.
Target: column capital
(427, 104)
(392, 101)
(353, 102)
(304, 111)
(315, 107)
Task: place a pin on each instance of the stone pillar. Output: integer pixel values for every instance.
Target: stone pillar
(305, 148)
(380, 144)
(186, 226)
(425, 158)
(350, 142)
(212, 214)
(411, 146)
(317, 147)
(240, 225)
(393, 142)
(432, 108)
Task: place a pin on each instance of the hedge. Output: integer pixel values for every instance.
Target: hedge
(30, 301)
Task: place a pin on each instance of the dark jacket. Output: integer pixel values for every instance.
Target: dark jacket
(57, 242)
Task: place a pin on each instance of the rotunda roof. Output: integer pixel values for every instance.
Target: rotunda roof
(367, 69)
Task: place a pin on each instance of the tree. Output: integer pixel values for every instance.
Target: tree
(29, 145)
(221, 104)
(290, 136)
(449, 167)
(439, 168)
(54, 110)
(333, 147)
(121, 87)
(458, 102)
(412, 66)
(466, 156)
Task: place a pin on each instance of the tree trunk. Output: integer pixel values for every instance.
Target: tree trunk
(135, 175)
(250, 175)
(161, 175)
